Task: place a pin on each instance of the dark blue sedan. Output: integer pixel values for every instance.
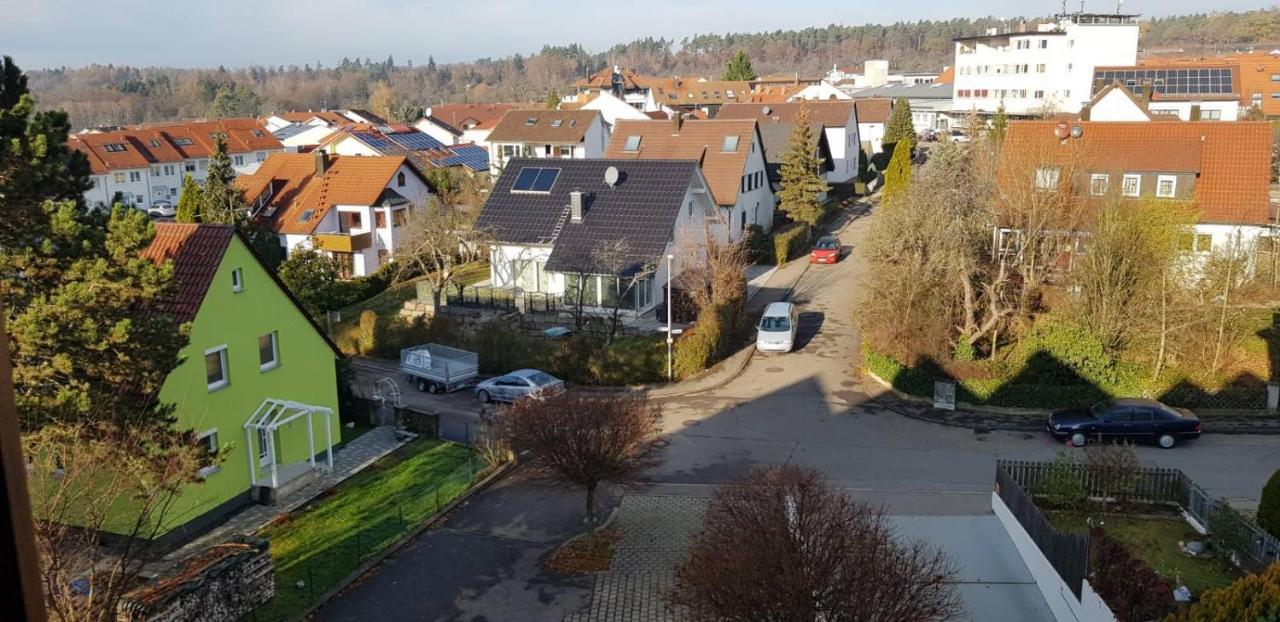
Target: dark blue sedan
(1126, 419)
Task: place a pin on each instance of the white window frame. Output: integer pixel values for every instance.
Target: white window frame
(237, 280)
(1105, 178)
(1137, 185)
(221, 351)
(1048, 178)
(1173, 188)
(203, 438)
(275, 352)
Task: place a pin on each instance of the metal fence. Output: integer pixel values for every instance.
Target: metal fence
(1252, 548)
(1068, 553)
(503, 299)
(308, 577)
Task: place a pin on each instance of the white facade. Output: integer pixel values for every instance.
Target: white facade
(1045, 70)
(144, 187)
(755, 202)
(846, 146)
(429, 127)
(592, 146)
(1221, 110)
(1117, 104)
(872, 135)
(309, 136)
(613, 109)
(820, 91)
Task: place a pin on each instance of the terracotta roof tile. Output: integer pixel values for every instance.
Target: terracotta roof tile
(825, 112)
(1232, 160)
(196, 251)
(692, 140)
(549, 126)
(348, 180)
(874, 110)
(603, 79)
(462, 116)
(692, 92)
(157, 143)
(332, 117)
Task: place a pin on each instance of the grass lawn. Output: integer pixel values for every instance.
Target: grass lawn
(390, 300)
(323, 543)
(1155, 541)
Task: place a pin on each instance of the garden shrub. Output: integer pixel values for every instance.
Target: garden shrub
(759, 245)
(1072, 345)
(1254, 597)
(1269, 506)
(396, 333)
(711, 338)
(1063, 484)
(630, 361)
(789, 243)
(368, 331)
(1131, 589)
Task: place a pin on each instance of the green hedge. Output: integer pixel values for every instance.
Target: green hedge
(789, 243)
(710, 340)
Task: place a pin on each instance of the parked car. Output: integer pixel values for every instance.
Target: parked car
(928, 136)
(958, 136)
(777, 328)
(161, 209)
(517, 385)
(826, 250)
(1129, 419)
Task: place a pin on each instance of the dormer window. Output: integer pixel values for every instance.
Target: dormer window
(557, 123)
(531, 121)
(1166, 186)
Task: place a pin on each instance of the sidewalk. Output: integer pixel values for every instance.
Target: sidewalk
(1033, 420)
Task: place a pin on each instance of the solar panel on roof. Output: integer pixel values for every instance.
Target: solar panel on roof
(525, 178)
(546, 179)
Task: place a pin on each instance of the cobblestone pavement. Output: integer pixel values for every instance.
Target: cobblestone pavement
(655, 533)
(347, 461)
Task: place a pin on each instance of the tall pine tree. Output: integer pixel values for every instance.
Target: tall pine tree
(739, 68)
(189, 202)
(221, 201)
(898, 176)
(999, 125)
(801, 182)
(900, 132)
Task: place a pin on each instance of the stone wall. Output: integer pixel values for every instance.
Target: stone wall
(226, 582)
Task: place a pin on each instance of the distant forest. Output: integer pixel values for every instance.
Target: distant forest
(115, 95)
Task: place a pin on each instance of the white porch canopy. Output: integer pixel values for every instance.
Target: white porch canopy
(270, 416)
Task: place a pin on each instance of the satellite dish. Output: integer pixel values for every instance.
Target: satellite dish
(767, 111)
(611, 176)
(1077, 131)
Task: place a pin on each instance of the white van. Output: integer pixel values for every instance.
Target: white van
(777, 328)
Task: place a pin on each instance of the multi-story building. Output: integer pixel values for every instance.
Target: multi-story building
(1043, 70)
(570, 134)
(146, 164)
(1191, 92)
(622, 83)
(840, 121)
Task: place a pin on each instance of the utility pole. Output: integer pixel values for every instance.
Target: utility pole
(671, 375)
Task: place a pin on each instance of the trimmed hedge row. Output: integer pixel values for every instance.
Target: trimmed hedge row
(789, 243)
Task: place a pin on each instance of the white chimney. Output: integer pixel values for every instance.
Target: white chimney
(575, 206)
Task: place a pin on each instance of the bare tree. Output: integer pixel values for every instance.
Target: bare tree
(783, 544)
(1114, 469)
(436, 239)
(88, 480)
(715, 268)
(616, 258)
(584, 440)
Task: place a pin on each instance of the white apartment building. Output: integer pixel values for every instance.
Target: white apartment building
(1048, 69)
(566, 134)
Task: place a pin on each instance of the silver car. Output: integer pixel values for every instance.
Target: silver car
(518, 384)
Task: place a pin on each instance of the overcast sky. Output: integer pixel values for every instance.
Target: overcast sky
(204, 33)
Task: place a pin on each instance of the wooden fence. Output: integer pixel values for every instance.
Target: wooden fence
(1068, 553)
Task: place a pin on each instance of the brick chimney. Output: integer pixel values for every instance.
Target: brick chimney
(322, 163)
(575, 206)
(677, 120)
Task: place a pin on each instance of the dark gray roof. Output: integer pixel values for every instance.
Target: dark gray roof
(914, 91)
(641, 210)
(776, 135)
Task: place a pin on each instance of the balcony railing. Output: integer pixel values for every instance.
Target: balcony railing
(343, 242)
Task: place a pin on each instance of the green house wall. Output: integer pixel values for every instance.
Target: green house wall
(306, 374)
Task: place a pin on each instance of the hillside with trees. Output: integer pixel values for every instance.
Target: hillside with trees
(114, 95)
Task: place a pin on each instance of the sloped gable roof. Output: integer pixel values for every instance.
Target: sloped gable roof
(827, 113)
(692, 140)
(544, 126)
(1232, 160)
(348, 180)
(641, 209)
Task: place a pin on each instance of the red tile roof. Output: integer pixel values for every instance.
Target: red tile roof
(549, 126)
(1232, 160)
(144, 145)
(332, 117)
(603, 79)
(826, 113)
(196, 251)
(692, 140)
(875, 110)
(464, 116)
(348, 180)
(694, 92)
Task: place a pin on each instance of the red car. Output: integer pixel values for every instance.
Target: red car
(827, 250)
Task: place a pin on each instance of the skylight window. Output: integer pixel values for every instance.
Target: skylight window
(113, 147)
(535, 179)
(557, 123)
(730, 144)
(182, 142)
(305, 216)
(632, 144)
(257, 133)
(155, 142)
(531, 121)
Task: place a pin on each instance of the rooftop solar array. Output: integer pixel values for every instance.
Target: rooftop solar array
(415, 141)
(376, 142)
(1170, 80)
(535, 179)
(473, 157)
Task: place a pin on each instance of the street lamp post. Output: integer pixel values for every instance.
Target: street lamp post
(670, 338)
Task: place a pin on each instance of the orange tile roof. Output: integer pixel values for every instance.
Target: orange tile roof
(332, 117)
(826, 113)
(479, 116)
(169, 143)
(603, 79)
(692, 140)
(1232, 159)
(196, 251)
(875, 110)
(693, 92)
(348, 180)
(776, 93)
(947, 76)
(549, 126)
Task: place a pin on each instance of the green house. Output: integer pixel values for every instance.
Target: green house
(257, 380)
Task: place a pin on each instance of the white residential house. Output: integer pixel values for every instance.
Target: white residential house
(453, 124)
(632, 88)
(564, 134)
(146, 164)
(821, 91)
(610, 107)
(841, 122)
(350, 207)
(730, 153)
(1046, 69)
(1191, 92)
(603, 225)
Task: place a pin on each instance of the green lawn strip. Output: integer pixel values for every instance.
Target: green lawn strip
(1154, 540)
(325, 542)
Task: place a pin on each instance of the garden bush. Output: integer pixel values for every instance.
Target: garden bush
(759, 246)
(1269, 506)
(1131, 589)
(789, 242)
(630, 361)
(1063, 485)
(711, 338)
(1254, 597)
